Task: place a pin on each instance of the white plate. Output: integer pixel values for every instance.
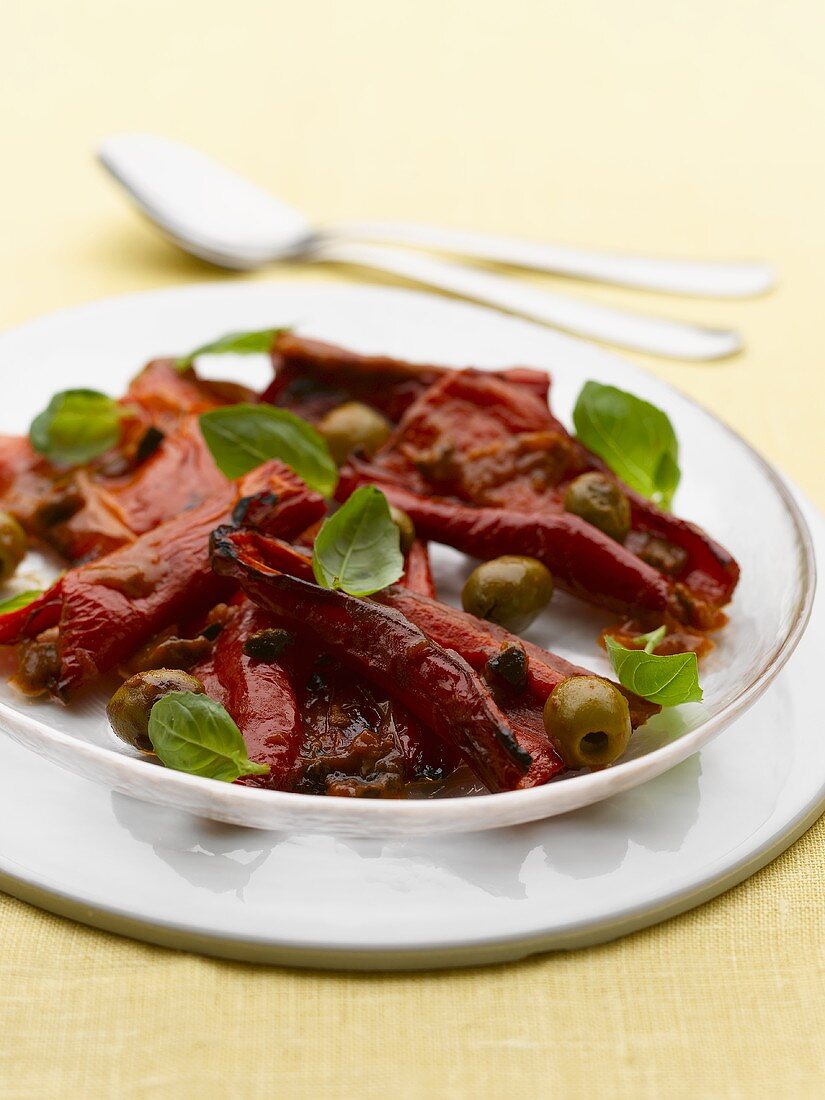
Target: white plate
(726, 487)
(162, 875)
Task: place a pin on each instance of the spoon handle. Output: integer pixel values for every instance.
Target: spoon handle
(635, 331)
(710, 279)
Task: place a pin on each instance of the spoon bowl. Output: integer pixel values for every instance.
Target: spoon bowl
(212, 212)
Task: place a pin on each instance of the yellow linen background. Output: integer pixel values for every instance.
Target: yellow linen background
(692, 128)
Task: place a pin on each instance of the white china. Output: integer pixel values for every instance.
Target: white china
(167, 877)
(726, 487)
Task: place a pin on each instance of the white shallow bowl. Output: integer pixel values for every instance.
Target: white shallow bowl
(726, 487)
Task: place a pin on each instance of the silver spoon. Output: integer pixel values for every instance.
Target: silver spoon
(223, 218)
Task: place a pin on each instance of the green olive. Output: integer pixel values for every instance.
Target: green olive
(510, 591)
(406, 528)
(12, 545)
(128, 709)
(588, 720)
(352, 427)
(599, 501)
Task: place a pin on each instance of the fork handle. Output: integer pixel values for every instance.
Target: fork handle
(710, 279)
(635, 331)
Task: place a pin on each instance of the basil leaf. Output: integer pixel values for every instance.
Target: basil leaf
(633, 437)
(237, 343)
(192, 733)
(241, 437)
(669, 681)
(650, 640)
(357, 549)
(22, 599)
(76, 426)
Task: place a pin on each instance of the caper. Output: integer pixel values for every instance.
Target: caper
(268, 644)
(588, 720)
(128, 709)
(352, 427)
(510, 591)
(601, 502)
(38, 663)
(12, 545)
(663, 555)
(509, 666)
(406, 528)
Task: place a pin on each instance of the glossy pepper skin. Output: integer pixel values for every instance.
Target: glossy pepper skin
(582, 559)
(29, 621)
(108, 609)
(320, 728)
(87, 512)
(475, 641)
(165, 392)
(116, 508)
(359, 742)
(473, 443)
(313, 377)
(438, 687)
(259, 695)
(418, 575)
(179, 474)
(478, 641)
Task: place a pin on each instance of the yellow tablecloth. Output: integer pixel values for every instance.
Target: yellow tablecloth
(682, 128)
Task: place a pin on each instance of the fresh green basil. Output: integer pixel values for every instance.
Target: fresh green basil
(241, 437)
(22, 599)
(633, 437)
(235, 343)
(76, 426)
(668, 681)
(649, 641)
(357, 549)
(192, 733)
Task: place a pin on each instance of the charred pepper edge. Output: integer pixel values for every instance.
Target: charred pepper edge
(228, 560)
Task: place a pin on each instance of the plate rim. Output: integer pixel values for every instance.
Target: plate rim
(582, 790)
(479, 950)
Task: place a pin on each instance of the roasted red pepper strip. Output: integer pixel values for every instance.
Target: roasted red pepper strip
(527, 719)
(29, 621)
(318, 727)
(351, 739)
(438, 687)
(165, 392)
(358, 742)
(581, 558)
(477, 642)
(88, 512)
(312, 377)
(115, 509)
(474, 639)
(259, 695)
(476, 437)
(178, 475)
(475, 441)
(111, 607)
(160, 466)
(59, 508)
(21, 479)
(418, 576)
